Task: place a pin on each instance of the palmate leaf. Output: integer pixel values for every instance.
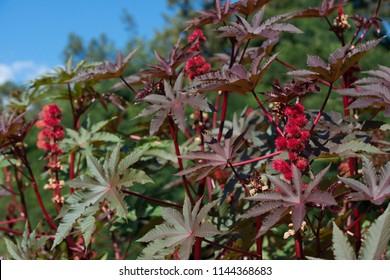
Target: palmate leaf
(172, 104)
(61, 75)
(28, 247)
(13, 128)
(374, 244)
(178, 229)
(376, 187)
(339, 62)
(352, 148)
(105, 185)
(290, 197)
(248, 7)
(288, 92)
(87, 136)
(270, 29)
(327, 7)
(217, 158)
(371, 91)
(106, 70)
(166, 69)
(377, 238)
(342, 249)
(236, 79)
(220, 14)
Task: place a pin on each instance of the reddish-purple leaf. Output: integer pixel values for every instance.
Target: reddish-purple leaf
(290, 196)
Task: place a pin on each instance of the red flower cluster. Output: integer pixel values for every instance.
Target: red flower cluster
(341, 21)
(52, 132)
(197, 65)
(293, 142)
(197, 34)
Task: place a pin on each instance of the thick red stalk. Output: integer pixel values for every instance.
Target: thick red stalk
(298, 246)
(198, 248)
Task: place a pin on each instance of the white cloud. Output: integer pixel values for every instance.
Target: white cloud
(5, 73)
(21, 71)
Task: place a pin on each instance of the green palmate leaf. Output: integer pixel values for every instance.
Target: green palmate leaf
(13, 249)
(377, 238)
(27, 248)
(86, 137)
(374, 244)
(87, 224)
(342, 249)
(178, 229)
(105, 184)
(352, 148)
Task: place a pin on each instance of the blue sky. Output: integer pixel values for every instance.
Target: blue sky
(34, 32)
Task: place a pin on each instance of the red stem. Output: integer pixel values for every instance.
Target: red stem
(255, 255)
(178, 154)
(240, 180)
(152, 199)
(259, 240)
(269, 117)
(223, 117)
(198, 248)
(322, 108)
(215, 114)
(377, 9)
(39, 198)
(7, 179)
(21, 154)
(129, 86)
(20, 233)
(298, 246)
(12, 221)
(71, 168)
(357, 220)
(294, 68)
(202, 182)
(256, 159)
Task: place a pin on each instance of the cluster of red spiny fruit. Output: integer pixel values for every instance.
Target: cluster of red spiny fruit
(197, 65)
(293, 141)
(51, 130)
